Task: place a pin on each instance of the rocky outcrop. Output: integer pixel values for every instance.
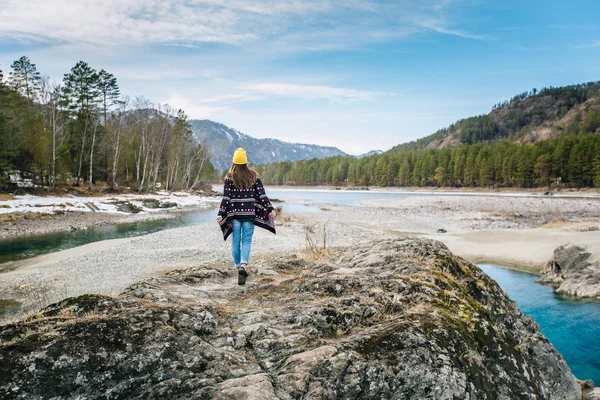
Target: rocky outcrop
(570, 272)
(396, 319)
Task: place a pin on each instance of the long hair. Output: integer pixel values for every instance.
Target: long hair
(242, 176)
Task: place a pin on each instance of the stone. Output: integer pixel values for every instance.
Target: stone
(127, 207)
(571, 273)
(151, 203)
(405, 319)
(592, 394)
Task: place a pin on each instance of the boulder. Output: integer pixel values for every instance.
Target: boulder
(396, 319)
(151, 203)
(571, 273)
(127, 207)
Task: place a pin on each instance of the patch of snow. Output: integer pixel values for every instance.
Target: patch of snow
(51, 204)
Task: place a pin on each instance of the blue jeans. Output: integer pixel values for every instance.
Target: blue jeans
(242, 235)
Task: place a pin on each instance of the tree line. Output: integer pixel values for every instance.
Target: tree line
(83, 131)
(567, 161)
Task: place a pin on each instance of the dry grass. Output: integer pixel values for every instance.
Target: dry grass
(18, 216)
(12, 217)
(316, 256)
(282, 217)
(6, 196)
(93, 315)
(316, 246)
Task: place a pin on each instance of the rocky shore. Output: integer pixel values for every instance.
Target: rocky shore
(573, 271)
(38, 215)
(18, 225)
(396, 318)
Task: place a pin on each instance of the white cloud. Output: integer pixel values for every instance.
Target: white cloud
(307, 24)
(440, 26)
(194, 109)
(232, 98)
(314, 92)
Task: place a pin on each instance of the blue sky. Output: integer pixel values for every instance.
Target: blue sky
(359, 75)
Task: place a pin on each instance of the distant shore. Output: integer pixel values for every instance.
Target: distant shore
(585, 192)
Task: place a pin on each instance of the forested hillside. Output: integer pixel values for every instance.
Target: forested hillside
(537, 139)
(81, 130)
(526, 118)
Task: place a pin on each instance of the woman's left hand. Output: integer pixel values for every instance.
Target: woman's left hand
(273, 213)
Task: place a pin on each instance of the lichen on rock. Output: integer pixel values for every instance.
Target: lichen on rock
(395, 319)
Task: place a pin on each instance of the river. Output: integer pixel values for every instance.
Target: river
(572, 326)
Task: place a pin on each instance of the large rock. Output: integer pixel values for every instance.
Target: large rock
(570, 272)
(397, 319)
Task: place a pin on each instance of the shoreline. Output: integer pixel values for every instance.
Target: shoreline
(535, 192)
(28, 215)
(518, 232)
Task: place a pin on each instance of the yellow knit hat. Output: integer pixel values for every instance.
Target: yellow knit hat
(239, 157)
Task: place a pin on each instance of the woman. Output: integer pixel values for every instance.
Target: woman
(244, 205)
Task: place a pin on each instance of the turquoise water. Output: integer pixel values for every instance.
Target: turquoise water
(31, 246)
(573, 326)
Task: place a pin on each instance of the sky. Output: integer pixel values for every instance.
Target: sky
(358, 75)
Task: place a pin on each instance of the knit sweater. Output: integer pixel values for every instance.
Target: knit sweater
(249, 204)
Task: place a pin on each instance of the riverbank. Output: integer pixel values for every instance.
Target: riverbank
(472, 191)
(519, 232)
(515, 232)
(38, 215)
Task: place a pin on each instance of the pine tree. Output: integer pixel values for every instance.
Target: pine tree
(440, 176)
(25, 79)
(543, 169)
(597, 164)
(82, 96)
(108, 90)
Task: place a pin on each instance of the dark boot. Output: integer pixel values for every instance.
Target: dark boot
(242, 275)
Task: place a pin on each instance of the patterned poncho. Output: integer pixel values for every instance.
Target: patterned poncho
(252, 204)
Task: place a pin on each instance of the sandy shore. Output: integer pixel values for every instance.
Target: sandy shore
(519, 232)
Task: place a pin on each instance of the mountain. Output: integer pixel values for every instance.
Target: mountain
(223, 141)
(370, 153)
(526, 118)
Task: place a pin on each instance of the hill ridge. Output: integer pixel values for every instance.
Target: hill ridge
(525, 118)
